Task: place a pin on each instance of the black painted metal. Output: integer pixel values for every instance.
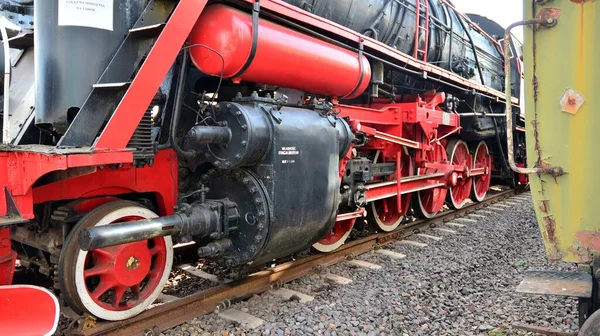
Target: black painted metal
(142, 142)
(70, 59)
(453, 44)
(200, 135)
(107, 93)
(494, 29)
(292, 157)
(197, 219)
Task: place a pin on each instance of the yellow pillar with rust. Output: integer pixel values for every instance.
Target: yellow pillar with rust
(562, 80)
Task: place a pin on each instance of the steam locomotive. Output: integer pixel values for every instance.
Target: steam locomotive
(255, 129)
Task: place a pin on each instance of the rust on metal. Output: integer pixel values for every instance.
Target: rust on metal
(571, 101)
(589, 239)
(581, 1)
(583, 254)
(543, 206)
(575, 284)
(549, 234)
(550, 225)
(549, 16)
(543, 330)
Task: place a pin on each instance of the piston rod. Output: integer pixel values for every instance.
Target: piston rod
(199, 220)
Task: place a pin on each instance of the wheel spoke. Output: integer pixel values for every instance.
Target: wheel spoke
(102, 288)
(155, 250)
(137, 290)
(118, 293)
(98, 269)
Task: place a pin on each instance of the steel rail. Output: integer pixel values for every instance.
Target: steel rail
(172, 314)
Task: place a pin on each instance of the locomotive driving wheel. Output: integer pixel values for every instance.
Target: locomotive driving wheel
(458, 155)
(336, 237)
(118, 282)
(384, 215)
(481, 183)
(431, 201)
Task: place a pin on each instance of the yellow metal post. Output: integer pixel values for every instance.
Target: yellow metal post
(562, 79)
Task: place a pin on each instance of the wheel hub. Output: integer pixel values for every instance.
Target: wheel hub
(130, 262)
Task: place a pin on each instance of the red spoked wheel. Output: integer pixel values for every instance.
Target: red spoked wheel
(458, 155)
(384, 215)
(481, 183)
(336, 237)
(117, 282)
(431, 201)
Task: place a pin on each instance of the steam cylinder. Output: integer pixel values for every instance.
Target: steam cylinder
(70, 59)
(284, 57)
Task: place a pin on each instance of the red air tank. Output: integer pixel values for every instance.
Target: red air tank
(284, 57)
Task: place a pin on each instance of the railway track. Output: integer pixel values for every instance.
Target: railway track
(176, 312)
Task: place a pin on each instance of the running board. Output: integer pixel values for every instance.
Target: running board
(573, 284)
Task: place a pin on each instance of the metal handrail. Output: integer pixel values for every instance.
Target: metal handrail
(5, 125)
(554, 171)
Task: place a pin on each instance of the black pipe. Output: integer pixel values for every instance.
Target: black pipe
(462, 23)
(179, 97)
(199, 221)
(128, 232)
(504, 159)
(209, 134)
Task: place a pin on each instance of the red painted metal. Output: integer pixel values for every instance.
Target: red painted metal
(482, 160)
(422, 28)
(460, 156)
(284, 57)
(432, 200)
(160, 179)
(351, 215)
(23, 169)
(309, 20)
(28, 310)
(523, 179)
(8, 257)
(379, 191)
(134, 267)
(339, 232)
(20, 170)
(416, 123)
(142, 90)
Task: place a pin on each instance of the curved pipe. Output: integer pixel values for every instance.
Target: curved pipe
(554, 171)
(179, 96)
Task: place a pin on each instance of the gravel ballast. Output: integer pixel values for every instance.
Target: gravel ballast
(463, 284)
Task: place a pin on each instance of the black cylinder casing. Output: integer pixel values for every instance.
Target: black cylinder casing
(296, 175)
(70, 59)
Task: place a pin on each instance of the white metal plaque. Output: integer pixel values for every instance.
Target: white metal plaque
(86, 13)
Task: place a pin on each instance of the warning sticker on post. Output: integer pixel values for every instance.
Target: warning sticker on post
(86, 13)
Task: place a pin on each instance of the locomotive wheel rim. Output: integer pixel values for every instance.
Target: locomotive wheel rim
(136, 272)
(430, 202)
(481, 183)
(336, 237)
(384, 214)
(459, 155)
